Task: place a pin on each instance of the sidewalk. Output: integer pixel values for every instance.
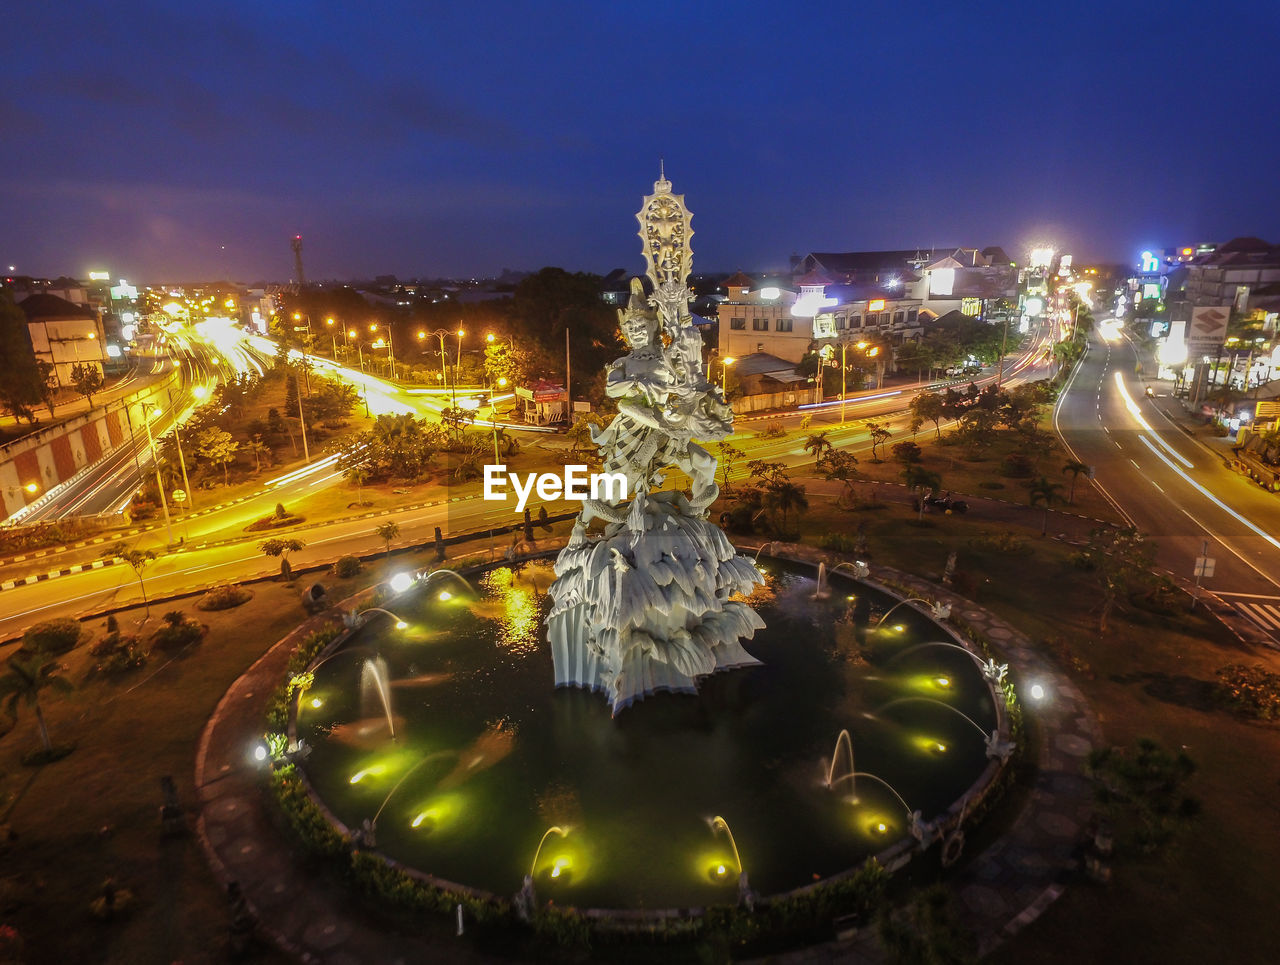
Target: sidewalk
(316, 919)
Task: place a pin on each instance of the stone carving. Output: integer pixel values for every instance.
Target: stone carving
(649, 605)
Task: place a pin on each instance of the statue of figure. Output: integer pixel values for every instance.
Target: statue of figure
(664, 404)
(656, 602)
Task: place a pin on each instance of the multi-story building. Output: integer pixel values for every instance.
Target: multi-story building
(1228, 275)
(64, 334)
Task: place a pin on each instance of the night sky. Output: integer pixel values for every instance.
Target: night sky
(176, 142)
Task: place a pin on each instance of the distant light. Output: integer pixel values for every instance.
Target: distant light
(33, 487)
(401, 582)
(445, 596)
(128, 318)
(1037, 692)
(1034, 306)
(200, 392)
(944, 681)
(401, 625)
(260, 752)
(316, 702)
(769, 293)
(113, 351)
(875, 305)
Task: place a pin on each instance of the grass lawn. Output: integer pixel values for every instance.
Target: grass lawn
(1210, 896)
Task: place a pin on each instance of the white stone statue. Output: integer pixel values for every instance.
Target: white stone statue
(648, 605)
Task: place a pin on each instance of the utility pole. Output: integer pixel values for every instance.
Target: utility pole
(297, 260)
(306, 453)
(155, 462)
(568, 392)
(1004, 337)
(186, 484)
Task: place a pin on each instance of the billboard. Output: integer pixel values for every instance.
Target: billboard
(998, 281)
(1207, 330)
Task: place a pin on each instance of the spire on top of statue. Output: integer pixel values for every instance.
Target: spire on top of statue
(665, 230)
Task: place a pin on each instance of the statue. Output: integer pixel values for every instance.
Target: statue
(650, 605)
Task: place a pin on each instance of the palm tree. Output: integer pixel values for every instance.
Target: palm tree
(922, 482)
(842, 466)
(1043, 491)
(358, 475)
(138, 561)
(818, 446)
(24, 681)
(1075, 467)
(784, 496)
(387, 532)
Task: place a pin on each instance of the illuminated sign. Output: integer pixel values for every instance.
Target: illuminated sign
(1041, 257)
(1150, 263)
(1065, 263)
(824, 326)
(875, 305)
(971, 307)
(770, 293)
(1151, 290)
(1034, 306)
(99, 276)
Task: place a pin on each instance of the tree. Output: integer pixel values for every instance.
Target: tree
(218, 447)
(879, 435)
(387, 532)
(330, 402)
(48, 376)
(729, 454)
(23, 682)
(782, 497)
(1075, 467)
(928, 406)
(259, 450)
(842, 466)
(1121, 561)
(138, 561)
(358, 475)
(87, 379)
(818, 446)
(281, 547)
(922, 482)
(20, 378)
(1044, 491)
(907, 453)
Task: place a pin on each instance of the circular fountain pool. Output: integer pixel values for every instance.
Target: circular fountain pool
(488, 754)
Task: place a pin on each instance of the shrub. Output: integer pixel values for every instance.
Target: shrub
(773, 429)
(53, 636)
(839, 543)
(346, 567)
(126, 654)
(177, 632)
(224, 597)
(1250, 691)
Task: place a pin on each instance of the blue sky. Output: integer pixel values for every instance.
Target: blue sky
(164, 142)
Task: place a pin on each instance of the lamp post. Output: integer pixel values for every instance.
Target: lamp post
(457, 365)
(155, 462)
(725, 362)
(306, 347)
(200, 392)
(440, 333)
(332, 341)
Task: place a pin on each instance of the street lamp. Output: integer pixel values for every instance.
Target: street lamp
(155, 462)
(725, 362)
(441, 334)
(457, 365)
(332, 341)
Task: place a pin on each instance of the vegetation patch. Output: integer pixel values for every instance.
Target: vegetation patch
(224, 597)
(52, 637)
(1252, 692)
(277, 520)
(177, 631)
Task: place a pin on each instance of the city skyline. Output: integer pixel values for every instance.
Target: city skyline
(163, 146)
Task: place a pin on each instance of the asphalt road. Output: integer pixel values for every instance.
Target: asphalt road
(1172, 487)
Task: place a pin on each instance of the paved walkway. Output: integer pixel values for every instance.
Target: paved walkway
(314, 918)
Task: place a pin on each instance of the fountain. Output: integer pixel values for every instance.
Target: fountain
(844, 740)
(373, 680)
(996, 746)
(648, 604)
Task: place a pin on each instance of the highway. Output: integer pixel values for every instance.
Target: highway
(1171, 487)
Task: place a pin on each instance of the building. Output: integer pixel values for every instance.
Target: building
(1231, 273)
(784, 322)
(64, 334)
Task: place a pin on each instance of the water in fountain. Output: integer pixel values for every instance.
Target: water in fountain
(720, 824)
(845, 741)
(935, 643)
(426, 760)
(879, 780)
(822, 591)
(914, 599)
(373, 681)
(930, 700)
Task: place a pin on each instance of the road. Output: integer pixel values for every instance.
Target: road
(1170, 486)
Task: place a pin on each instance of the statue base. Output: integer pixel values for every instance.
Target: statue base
(648, 607)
